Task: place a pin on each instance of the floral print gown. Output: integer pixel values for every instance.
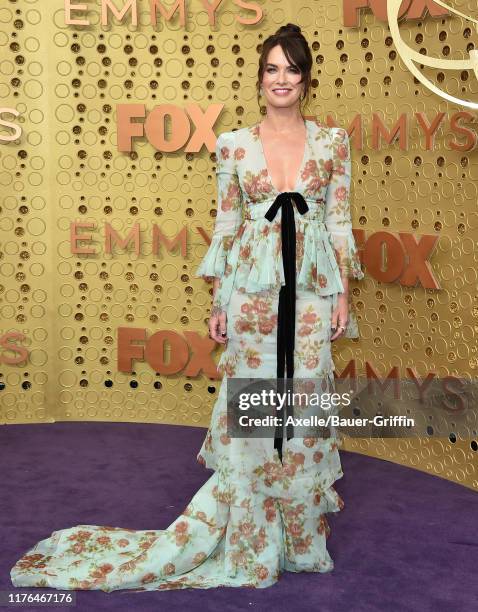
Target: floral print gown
(256, 516)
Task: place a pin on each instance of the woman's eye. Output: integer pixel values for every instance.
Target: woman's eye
(291, 68)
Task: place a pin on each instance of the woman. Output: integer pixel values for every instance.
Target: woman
(281, 255)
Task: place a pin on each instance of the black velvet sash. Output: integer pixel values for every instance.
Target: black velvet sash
(287, 299)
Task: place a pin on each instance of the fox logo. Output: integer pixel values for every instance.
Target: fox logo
(409, 9)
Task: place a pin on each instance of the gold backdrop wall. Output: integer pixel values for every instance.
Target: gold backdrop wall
(65, 81)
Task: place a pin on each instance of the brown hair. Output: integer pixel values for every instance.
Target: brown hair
(297, 51)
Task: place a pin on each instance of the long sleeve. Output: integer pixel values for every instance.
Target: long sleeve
(229, 210)
(337, 207)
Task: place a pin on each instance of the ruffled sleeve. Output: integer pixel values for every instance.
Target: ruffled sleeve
(229, 211)
(337, 207)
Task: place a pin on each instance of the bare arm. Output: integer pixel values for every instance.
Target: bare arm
(218, 318)
(340, 316)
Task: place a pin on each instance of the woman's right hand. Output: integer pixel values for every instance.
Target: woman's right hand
(218, 325)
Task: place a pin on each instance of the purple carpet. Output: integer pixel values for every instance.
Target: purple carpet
(404, 541)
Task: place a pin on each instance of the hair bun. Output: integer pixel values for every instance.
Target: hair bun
(290, 27)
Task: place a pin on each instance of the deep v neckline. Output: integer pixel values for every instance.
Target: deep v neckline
(264, 161)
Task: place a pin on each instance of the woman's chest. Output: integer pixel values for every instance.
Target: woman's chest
(284, 159)
(263, 173)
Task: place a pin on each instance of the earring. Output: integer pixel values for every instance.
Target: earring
(261, 93)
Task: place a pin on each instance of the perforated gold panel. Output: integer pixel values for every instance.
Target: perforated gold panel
(64, 309)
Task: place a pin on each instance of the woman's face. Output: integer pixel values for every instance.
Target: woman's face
(279, 74)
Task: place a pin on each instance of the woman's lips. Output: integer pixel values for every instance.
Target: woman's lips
(280, 92)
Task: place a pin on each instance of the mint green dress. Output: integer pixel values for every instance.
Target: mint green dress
(256, 516)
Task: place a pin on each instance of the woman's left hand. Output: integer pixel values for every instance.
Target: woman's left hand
(340, 316)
